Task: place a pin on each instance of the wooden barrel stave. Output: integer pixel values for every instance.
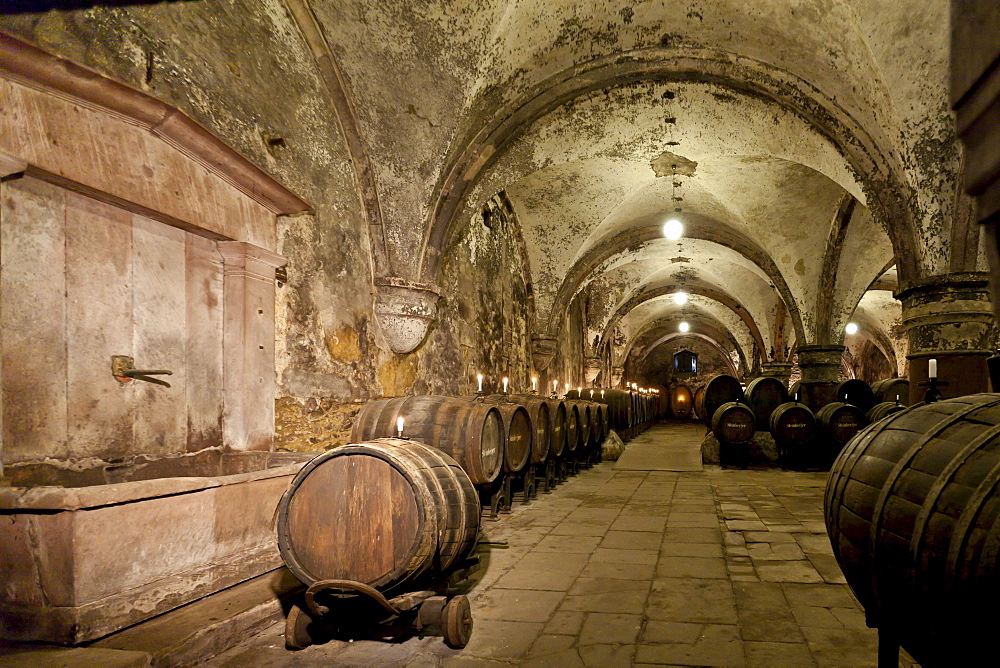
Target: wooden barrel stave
(470, 432)
(841, 421)
(857, 393)
(381, 512)
(892, 390)
(879, 411)
(572, 426)
(538, 411)
(733, 423)
(518, 432)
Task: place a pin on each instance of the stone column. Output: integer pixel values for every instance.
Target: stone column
(820, 367)
(248, 345)
(949, 318)
(779, 370)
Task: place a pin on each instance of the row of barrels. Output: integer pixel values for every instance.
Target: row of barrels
(735, 414)
(391, 507)
(628, 412)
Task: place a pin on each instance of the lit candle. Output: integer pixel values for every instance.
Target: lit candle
(399, 426)
(534, 383)
(932, 368)
(591, 394)
(505, 381)
(555, 386)
(579, 392)
(602, 394)
(480, 377)
(566, 389)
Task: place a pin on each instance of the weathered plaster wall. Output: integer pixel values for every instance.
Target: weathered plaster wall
(658, 367)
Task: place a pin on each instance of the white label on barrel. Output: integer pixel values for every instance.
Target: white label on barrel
(489, 452)
(796, 425)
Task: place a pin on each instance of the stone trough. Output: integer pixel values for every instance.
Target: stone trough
(79, 563)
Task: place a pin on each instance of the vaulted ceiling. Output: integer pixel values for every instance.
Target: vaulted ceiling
(803, 144)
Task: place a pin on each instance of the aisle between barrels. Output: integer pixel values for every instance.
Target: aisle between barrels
(642, 567)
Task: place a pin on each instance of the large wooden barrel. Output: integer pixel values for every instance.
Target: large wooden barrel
(792, 425)
(913, 512)
(841, 422)
(879, 411)
(472, 432)
(699, 403)
(541, 420)
(763, 395)
(572, 426)
(518, 433)
(733, 423)
(857, 393)
(896, 390)
(381, 512)
(557, 432)
(583, 429)
(605, 424)
(681, 402)
(720, 390)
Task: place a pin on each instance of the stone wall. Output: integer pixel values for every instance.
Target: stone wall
(330, 355)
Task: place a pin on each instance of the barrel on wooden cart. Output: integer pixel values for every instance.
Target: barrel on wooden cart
(913, 513)
(720, 390)
(472, 432)
(381, 513)
(895, 390)
(879, 411)
(793, 427)
(763, 395)
(681, 402)
(840, 422)
(857, 393)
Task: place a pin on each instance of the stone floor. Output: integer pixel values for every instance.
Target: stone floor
(632, 567)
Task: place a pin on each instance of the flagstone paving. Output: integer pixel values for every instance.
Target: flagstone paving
(630, 567)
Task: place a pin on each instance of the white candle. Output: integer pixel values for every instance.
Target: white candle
(505, 384)
(932, 368)
(534, 383)
(566, 388)
(591, 394)
(480, 377)
(399, 426)
(555, 386)
(579, 393)
(602, 394)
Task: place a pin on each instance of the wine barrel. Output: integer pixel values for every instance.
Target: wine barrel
(471, 432)
(792, 425)
(912, 508)
(557, 431)
(879, 411)
(763, 395)
(572, 426)
(680, 402)
(583, 422)
(518, 433)
(795, 392)
(381, 513)
(538, 411)
(892, 389)
(733, 423)
(857, 393)
(841, 422)
(720, 390)
(699, 403)
(619, 408)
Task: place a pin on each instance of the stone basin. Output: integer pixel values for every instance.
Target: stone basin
(81, 562)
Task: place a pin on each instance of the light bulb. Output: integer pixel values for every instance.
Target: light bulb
(680, 298)
(684, 327)
(673, 229)
(851, 328)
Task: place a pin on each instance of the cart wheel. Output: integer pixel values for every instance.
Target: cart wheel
(456, 622)
(297, 629)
